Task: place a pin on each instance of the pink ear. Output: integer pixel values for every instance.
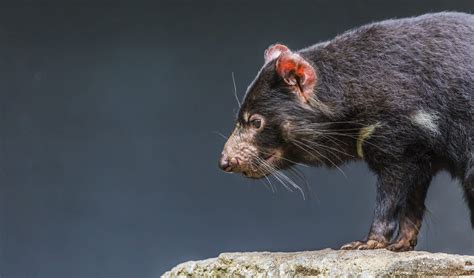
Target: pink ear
(296, 71)
(274, 51)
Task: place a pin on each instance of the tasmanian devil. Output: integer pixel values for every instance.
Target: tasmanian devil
(396, 94)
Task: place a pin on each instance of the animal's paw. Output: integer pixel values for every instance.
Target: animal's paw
(401, 246)
(364, 245)
(372, 244)
(352, 245)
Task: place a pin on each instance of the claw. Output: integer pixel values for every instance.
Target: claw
(352, 245)
(364, 245)
(400, 246)
(372, 244)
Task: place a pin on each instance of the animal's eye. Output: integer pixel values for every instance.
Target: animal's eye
(255, 121)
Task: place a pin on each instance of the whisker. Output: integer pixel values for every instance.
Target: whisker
(306, 131)
(220, 134)
(352, 136)
(286, 159)
(332, 139)
(300, 175)
(270, 169)
(312, 146)
(271, 185)
(330, 161)
(235, 90)
(327, 147)
(337, 122)
(267, 186)
(293, 184)
(280, 176)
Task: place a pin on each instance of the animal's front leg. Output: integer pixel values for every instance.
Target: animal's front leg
(412, 215)
(392, 188)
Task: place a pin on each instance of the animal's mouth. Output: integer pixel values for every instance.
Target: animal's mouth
(264, 167)
(270, 157)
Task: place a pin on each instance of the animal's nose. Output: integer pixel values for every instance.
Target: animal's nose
(227, 164)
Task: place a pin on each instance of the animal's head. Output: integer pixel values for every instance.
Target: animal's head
(280, 99)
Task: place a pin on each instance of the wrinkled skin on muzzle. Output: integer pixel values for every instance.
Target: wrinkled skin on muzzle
(241, 155)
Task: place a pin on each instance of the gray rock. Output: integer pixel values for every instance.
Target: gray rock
(327, 262)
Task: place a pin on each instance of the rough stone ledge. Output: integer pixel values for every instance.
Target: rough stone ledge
(327, 262)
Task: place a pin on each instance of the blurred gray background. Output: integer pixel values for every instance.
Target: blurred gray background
(108, 144)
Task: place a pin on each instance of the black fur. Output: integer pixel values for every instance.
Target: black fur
(412, 77)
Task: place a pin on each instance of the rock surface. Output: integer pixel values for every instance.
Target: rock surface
(327, 262)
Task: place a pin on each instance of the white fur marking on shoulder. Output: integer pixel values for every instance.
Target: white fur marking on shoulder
(426, 120)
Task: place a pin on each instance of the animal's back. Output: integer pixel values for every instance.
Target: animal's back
(397, 68)
(426, 56)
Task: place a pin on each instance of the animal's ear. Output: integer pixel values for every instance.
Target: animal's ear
(297, 72)
(274, 51)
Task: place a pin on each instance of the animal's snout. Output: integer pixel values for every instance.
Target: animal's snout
(224, 163)
(228, 164)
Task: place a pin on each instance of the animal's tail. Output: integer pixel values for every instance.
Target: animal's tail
(468, 186)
